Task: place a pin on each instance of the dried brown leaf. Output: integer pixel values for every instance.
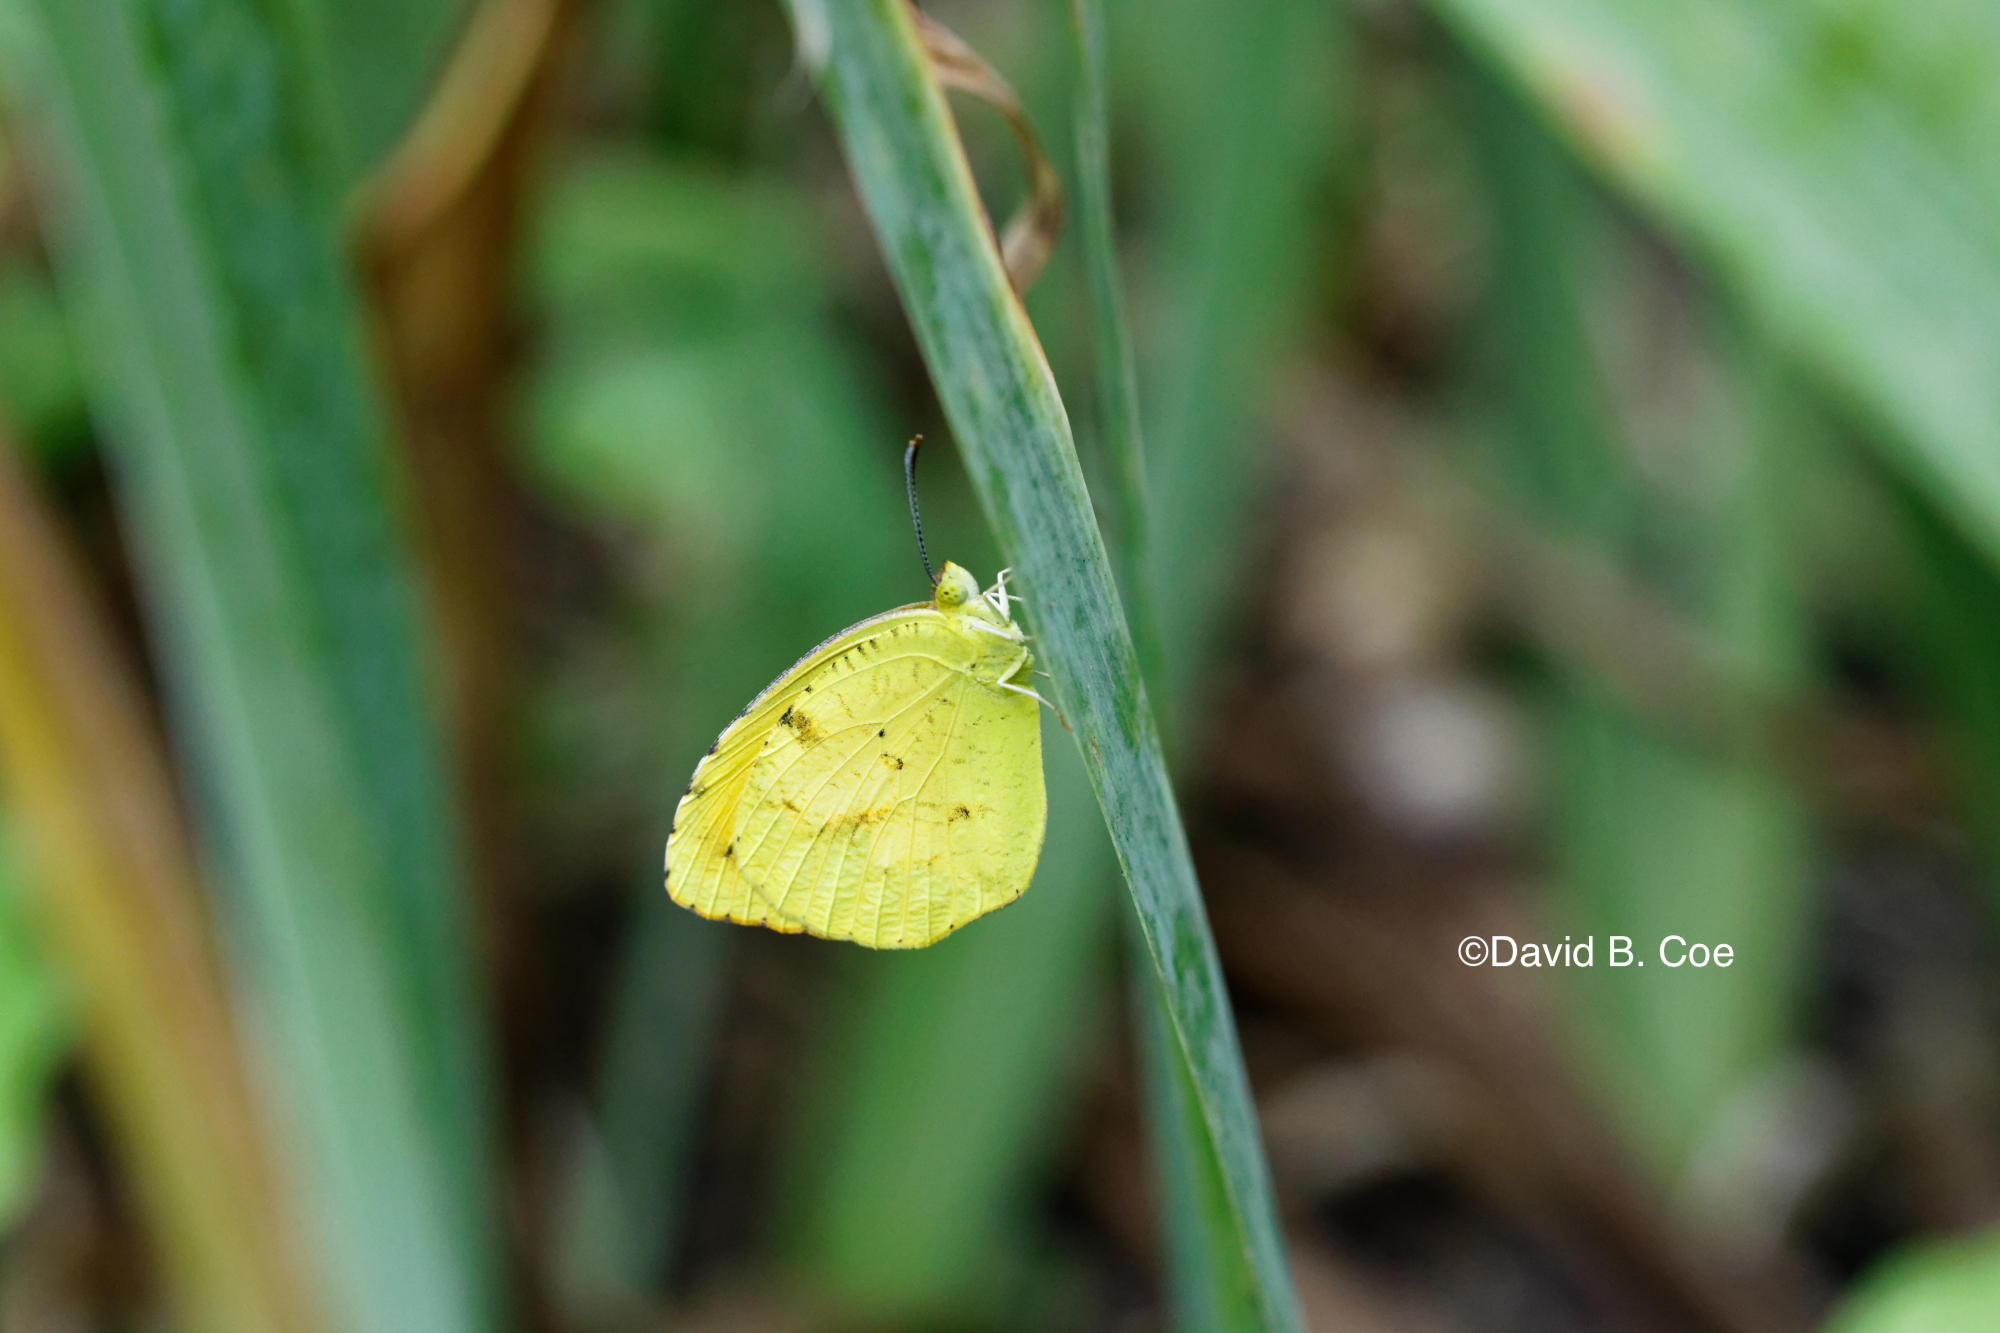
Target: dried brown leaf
(1030, 236)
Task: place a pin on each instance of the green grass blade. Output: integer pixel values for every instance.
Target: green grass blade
(1239, 116)
(1210, 1283)
(1836, 165)
(118, 903)
(203, 252)
(1117, 368)
(1012, 431)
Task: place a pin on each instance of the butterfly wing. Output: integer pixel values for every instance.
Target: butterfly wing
(900, 797)
(701, 872)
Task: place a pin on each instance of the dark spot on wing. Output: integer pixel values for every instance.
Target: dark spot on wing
(892, 761)
(959, 812)
(883, 732)
(730, 850)
(863, 818)
(801, 725)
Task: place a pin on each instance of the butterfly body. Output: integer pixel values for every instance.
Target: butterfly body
(886, 790)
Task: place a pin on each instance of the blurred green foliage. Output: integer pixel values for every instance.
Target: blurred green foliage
(1240, 108)
(690, 338)
(208, 153)
(940, 1098)
(1943, 1289)
(39, 377)
(1831, 160)
(690, 343)
(36, 1029)
(1652, 836)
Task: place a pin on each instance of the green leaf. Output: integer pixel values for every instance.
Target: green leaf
(204, 257)
(1011, 429)
(1835, 163)
(1943, 1288)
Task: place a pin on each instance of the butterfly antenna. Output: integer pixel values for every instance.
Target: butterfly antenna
(916, 519)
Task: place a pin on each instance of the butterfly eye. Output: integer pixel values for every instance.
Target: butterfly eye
(955, 587)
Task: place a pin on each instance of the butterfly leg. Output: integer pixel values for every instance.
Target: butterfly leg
(1012, 632)
(1022, 689)
(998, 597)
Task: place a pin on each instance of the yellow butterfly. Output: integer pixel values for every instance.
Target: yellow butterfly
(886, 790)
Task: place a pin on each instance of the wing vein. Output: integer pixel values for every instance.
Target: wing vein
(793, 827)
(944, 750)
(834, 877)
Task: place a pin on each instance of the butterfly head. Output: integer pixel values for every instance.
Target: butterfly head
(958, 594)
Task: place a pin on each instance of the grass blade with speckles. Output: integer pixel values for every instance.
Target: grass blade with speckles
(1011, 428)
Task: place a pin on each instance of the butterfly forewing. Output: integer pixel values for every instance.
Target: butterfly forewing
(701, 871)
(839, 775)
